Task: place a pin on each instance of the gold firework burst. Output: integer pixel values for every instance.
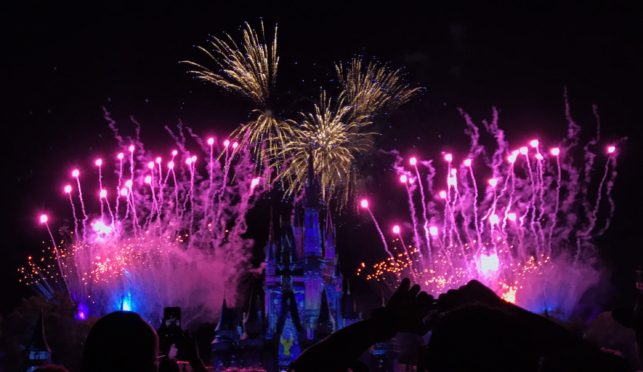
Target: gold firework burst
(371, 88)
(248, 68)
(335, 139)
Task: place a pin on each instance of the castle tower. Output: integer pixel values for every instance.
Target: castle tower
(226, 338)
(38, 351)
(314, 264)
(303, 285)
(325, 322)
(252, 341)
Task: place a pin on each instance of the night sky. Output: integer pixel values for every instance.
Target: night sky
(63, 63)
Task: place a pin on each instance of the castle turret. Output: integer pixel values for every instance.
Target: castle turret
(252, 341)
(226, 338)
(38, 351)
(325, 322)
(312, 233)
(329, 240)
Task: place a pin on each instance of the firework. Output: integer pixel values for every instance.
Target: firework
(518, 230)
(248, 68)
(334, 140)
(335, 136)
(167, 231)
(371, 88)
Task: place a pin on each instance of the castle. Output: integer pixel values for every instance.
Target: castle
(302, 298)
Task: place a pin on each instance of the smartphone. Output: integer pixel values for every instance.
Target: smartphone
(172, 317)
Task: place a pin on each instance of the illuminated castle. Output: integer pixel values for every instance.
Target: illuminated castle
(303, 298)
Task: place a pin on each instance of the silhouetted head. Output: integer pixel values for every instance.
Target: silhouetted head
(121, 341)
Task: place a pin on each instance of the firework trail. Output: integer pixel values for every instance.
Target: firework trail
(517, 235)
(151, 251)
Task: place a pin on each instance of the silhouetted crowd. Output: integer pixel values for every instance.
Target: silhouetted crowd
(472, 329)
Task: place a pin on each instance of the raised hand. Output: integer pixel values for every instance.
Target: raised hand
(472, 292)
(408, 307)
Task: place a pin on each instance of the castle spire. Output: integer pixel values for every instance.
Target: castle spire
(311, 198)
(325, 322)
(253, 319)
(38, 352)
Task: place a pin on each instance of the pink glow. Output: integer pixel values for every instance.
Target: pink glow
(413, 160)
(533, 143)
(211, 141)
(194, 158)
(442, 194)
(124, 191)
(396, 229)
(433, 230)
(67, 189)
(511, 159)
(158, 160)
(494, 219)
(489, 263)
(131, 148)
(524, 150)
(148, 179)
(451, 180)
(120, 156)
(555, 151)
(150, 165)
(174, 153)
(44, 218)
(102, 194)
(539, 156)
(189, 161)
(129, 184)
(226, 143)
(448, 157)
(101, 228)
(75, 173)
(493, 182)
(611, 149)
(363, 203)
(234, 145)
(511, 216)
(467, 162)
(98, 162)
(170, 164)
(255, 182)
(403, 178)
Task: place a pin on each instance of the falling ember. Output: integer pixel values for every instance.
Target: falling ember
(147, 234)
(363, 203)
(522, 236)
(413, 160)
